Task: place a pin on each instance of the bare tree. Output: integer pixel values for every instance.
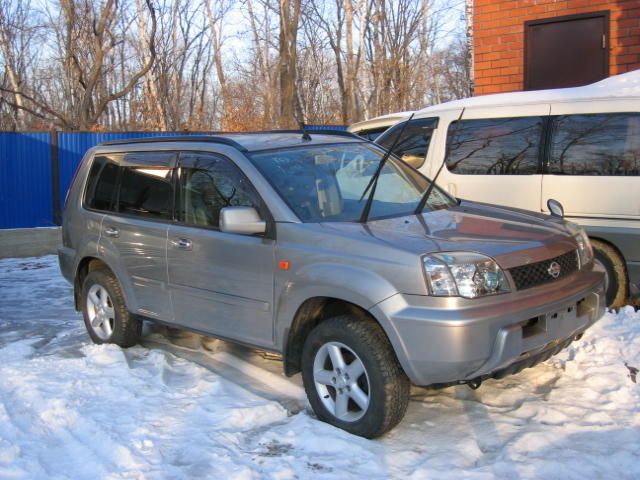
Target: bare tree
(85, 38)
(290, 113)
(175, 65)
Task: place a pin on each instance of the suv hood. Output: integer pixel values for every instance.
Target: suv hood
(512, 237)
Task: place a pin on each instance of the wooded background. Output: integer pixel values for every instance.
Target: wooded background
(225, 64)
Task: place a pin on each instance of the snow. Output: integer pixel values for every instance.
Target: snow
(626, 85)
(185, 406)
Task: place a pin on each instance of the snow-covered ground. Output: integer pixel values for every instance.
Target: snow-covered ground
(183, 406)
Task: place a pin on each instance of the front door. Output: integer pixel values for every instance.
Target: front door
(493, 156)
(221, 283)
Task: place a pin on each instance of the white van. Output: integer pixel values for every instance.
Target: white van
(372, 128)
(580, 146)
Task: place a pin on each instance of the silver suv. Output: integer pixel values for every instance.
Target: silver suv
(364, 276)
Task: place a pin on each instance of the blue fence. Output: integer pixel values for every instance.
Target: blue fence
(36, 170)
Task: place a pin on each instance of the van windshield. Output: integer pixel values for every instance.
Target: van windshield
(325, 183)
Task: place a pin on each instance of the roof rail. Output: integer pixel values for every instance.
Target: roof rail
(179, 138)
(317, 131)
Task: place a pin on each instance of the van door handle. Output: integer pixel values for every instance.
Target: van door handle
(112, 232)
(182, 243)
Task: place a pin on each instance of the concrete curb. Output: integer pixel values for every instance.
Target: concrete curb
(29, 242)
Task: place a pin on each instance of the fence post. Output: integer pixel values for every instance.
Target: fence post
(55, 179)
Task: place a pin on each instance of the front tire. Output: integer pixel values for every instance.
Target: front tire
(609, 261)
(105, 314)
(352, 377)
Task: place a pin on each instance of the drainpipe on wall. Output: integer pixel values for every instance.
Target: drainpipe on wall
(470, 65)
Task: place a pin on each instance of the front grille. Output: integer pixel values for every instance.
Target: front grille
(534, 274)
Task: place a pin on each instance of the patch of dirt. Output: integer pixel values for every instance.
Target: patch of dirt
(276, 449)
(633, 372)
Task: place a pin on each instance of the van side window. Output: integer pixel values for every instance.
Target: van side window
(146, 185)
(601, 144)
(101, 184)
(496, 146)
(372, 133)
(415, 141)
(207, 184)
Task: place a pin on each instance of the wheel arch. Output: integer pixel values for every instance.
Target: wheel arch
(85, 266)
(623, 261)
(310, 313)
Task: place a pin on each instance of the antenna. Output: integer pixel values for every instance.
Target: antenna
(305, 134)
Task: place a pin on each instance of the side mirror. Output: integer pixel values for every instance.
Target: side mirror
(555, 207)
(241, 220)
(414, 160)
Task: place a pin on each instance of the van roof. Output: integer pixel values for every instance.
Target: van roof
(251, 141)
(379, 122)
(619, 86)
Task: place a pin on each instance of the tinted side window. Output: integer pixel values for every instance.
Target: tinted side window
(101, 184)
(413, 146)
(209, 183)
(145, 185)
(500, 146)
(606, 144)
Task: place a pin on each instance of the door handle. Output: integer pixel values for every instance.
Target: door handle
(112, 231)
(182, 243)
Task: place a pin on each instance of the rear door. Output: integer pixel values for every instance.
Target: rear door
(493, 155)
(593, 165)
(134, 235)
(221, 283)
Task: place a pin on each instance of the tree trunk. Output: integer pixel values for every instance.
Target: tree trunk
(289, 102)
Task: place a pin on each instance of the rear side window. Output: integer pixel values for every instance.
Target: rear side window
(208, 183)
(413, 146)
(498, 146)
(101, 184)
(602, 144)
(146, 188)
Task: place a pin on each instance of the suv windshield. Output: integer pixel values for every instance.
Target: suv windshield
(325, 182)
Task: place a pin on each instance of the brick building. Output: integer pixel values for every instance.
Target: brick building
(534, 44)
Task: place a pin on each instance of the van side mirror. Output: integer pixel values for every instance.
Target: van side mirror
(241, 220)
(555, 207)
(414, 160)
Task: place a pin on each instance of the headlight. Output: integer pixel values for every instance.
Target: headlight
(463, 274)
(584, 247)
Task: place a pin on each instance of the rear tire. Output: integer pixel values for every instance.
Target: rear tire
(608, 259)
(371, 379)
(105, 314)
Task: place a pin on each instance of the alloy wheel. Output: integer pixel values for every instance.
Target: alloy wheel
(341, 381)
(100, 311)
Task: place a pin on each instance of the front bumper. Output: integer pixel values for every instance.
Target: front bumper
(449, 340)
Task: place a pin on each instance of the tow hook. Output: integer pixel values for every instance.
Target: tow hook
(474, 384)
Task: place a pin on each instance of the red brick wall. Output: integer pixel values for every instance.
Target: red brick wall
(499, 37)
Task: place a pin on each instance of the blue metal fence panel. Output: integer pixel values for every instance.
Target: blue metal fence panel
(25, 180)
(26, 197)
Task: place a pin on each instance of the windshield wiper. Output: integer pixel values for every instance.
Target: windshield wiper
(373, 183)
(427, 193)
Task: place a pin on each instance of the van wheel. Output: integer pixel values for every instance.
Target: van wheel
(352, 377)
(609, 261)
(105, 314)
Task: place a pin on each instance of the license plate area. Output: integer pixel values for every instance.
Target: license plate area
(543, 323)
